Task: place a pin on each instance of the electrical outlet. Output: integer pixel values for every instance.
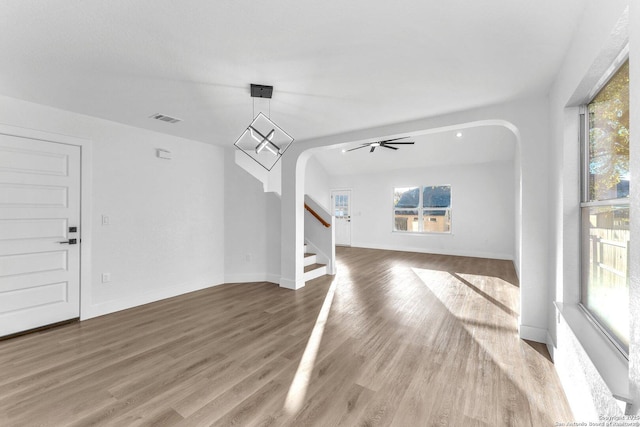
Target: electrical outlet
(106, 277)
(105, 220)
(247, 257)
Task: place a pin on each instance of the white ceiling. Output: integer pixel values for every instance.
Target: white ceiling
(336, 65)
(483, 144)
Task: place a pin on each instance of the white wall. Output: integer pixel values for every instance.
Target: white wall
(166, 235)
(590, 369)
(252, 227)
(483, 209)
(316, 184)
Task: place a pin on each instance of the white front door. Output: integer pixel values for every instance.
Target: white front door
(341, 200)
(39, 220)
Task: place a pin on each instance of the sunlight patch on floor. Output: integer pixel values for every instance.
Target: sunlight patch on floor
(298, 389)
(448, 288)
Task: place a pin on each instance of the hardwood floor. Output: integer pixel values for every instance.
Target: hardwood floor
(393, 339)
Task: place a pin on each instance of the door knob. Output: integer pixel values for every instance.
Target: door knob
(70, 242)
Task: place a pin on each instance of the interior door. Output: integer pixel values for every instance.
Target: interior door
(39, 234)
(341, 200)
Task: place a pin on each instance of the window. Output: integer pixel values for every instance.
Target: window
(424, 209)
(605, 208)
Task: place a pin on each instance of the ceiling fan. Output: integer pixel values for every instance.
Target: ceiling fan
(387, 143)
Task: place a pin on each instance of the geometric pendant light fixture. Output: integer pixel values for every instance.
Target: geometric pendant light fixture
(263, 141)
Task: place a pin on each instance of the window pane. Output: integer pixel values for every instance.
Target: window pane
(432, 214)
(436, 196)
(605, 268)
(436, 220)
(341, 208)
(609, 139)
(408, 197)
(405, 209)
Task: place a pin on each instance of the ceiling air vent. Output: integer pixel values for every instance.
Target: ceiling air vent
(165, 118)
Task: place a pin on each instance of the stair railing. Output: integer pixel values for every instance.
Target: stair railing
(316, 215)
(319, 233)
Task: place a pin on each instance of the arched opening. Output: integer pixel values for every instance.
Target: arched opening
(490, 148)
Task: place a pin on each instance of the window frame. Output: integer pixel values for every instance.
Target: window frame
(421, 210)
(586, 204)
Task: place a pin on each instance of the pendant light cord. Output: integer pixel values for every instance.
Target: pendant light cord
(254, 109)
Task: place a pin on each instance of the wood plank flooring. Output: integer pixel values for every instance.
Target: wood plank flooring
(394, 338)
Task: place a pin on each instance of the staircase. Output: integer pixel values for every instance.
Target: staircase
(312, 269)
(318, 230)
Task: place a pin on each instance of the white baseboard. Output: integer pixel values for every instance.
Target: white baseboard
(253, 277)
(533, 333)
(113, 306)
(551, 347)
(402, 248)
(291, 284)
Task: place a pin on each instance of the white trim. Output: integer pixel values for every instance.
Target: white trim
(435, 251)
(108, 307)
(86, 182)
(622, 57)
(422, 233)
(611, 202)
(251, 278)
(291, 284)
(533, 333)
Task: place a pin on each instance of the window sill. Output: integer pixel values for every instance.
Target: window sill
(417, 233)
(610, 363)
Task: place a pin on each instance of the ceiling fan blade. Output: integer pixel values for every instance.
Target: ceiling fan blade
(373, 148)
(402, 143)
(357, 148)
(386, 146)
(394, 139)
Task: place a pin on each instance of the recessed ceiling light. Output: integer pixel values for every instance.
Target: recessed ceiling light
(344, 150)
(459, 134)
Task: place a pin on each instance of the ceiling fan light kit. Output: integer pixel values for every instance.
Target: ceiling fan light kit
(263, 140)
(387, 143)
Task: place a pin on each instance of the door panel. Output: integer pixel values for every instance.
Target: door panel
(23, 196)
(39, 201)
(22, 299)
(20, 229)
(17, 159)
(341, 201)
(21, 264)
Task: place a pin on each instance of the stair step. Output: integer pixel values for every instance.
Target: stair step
(310, 259)
(314, 270)
(312, 267)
